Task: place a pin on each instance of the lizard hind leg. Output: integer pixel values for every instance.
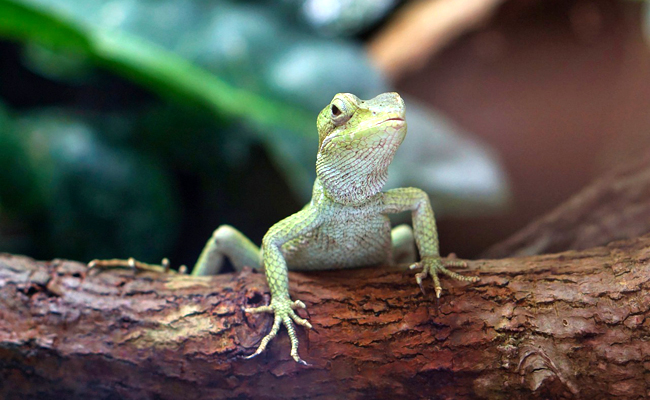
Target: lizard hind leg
(403, 244)
(227, 241)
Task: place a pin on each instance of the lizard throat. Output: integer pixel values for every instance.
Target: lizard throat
(353, 176)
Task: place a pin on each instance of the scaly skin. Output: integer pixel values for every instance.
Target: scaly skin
(346, 224)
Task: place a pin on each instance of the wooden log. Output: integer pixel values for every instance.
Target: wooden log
(614, 207)
(569, 325)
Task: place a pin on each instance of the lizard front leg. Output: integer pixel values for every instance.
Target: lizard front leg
(426, 235)
(275, 267)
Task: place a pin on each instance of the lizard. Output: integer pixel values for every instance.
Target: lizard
(346, 224)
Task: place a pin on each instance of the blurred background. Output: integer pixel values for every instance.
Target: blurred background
(133, 128)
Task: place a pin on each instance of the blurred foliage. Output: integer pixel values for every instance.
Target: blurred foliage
(343, 17)
(19, 194)
(96, 197)
(86, 180)
(264, 71)
(73, 25)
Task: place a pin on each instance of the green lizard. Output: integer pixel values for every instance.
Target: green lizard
(345, 224)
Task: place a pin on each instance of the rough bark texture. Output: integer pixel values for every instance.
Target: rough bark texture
(615, 207)
(570, 325)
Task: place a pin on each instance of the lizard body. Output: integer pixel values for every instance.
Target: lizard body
(346, 222)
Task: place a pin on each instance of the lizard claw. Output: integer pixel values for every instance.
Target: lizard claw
(419, 277)
(283, 314)
(434, 265)
(298, 304)
(303, 362)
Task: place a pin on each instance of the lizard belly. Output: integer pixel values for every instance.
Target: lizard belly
(363, 241)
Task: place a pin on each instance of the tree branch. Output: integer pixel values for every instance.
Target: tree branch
(422, 29)
(614, 207)
(571, 324)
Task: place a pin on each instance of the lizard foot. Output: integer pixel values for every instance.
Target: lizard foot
(284, 314)
(134, 264)
(433, 265)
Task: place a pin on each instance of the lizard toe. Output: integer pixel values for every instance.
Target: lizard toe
(283, 315)
(435, 265)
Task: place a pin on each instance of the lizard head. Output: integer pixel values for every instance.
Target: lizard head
(357, 141)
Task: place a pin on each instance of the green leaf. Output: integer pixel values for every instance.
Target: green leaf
(149, 64)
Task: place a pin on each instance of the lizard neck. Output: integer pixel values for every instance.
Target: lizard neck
(350, 189)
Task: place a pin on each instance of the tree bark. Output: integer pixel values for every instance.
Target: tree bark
(614, 207)
(569, 325)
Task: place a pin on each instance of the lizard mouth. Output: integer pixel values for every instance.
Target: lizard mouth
(397, 119)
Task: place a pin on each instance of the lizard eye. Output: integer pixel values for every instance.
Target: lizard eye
(340, 112)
